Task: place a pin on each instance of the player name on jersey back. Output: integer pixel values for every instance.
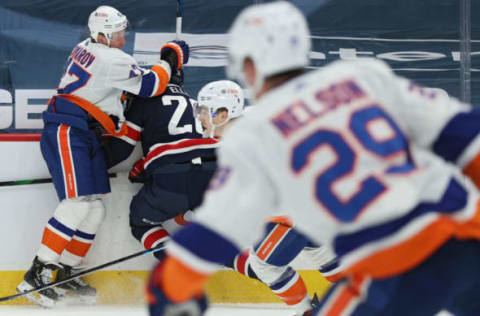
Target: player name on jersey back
(299, 114)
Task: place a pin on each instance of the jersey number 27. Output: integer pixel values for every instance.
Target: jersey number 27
(182, 104)
(73, 69)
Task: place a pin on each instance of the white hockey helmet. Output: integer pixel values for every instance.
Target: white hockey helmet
(222, 94)
(274, 35)
(106, 20)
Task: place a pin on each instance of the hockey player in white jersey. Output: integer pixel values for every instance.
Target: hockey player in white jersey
(383, 172)
(88, 100)
(220, 103)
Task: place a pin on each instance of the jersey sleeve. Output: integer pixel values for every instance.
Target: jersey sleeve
(241, 195)
(135, 120)
(120, 148)
(435, 121)
(125, 74)
(239, 199)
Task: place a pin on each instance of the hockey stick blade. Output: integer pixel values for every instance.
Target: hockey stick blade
(37, 181)
(84, 272)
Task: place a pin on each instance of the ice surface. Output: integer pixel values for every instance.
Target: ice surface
(216, 310)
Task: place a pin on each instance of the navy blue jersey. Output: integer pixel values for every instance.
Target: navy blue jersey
(167, 128)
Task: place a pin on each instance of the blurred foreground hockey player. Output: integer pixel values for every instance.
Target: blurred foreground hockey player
(177, 166)
(88, 100)
(219, 104)
(363, 161)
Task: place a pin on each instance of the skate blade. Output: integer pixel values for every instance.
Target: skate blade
(35, 297)
(62, 292)
(71, 298)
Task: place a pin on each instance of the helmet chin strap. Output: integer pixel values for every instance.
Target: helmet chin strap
(214, 126)
(105, 36)
(257, 86)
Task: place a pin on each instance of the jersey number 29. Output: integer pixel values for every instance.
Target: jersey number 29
(345, 164)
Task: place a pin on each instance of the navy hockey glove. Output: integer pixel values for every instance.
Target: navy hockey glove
(160, 305)
(176, 53)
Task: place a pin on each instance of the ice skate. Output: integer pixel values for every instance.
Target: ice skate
(314, 302)
(76, 287)
(40, 274)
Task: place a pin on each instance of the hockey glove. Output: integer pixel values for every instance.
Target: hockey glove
(138, 174)
(176, 53)
(160, 305)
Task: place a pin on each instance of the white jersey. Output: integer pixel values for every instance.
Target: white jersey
(357, 157)
(99, 74)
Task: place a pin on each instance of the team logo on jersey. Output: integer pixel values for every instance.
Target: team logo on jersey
(220, 178)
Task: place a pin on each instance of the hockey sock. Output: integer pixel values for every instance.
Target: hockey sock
(241, 264)
(289, 287)
(55, 239)
(77, 248)
(82, 240)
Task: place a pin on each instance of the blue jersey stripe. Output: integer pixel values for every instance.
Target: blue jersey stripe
(286, 277)
(148, 84)
(457, 135)
(206, 244)
(407, 167)
(59, 226)
(84, 235)
(286, 249)
(454, 199)
(330, 266)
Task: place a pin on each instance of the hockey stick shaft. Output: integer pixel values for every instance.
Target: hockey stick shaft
(178, 28)
(85, 272)
(37, 181)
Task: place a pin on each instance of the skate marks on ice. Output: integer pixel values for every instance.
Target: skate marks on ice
(129, 310)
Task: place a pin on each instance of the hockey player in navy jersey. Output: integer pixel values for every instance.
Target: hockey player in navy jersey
(379, 170)
(219, 103)
(178, 162)
(88, 99)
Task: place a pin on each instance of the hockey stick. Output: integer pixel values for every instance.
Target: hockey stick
(84, 272)
(37, 181)
(178, 28)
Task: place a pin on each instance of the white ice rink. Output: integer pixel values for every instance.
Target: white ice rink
(128, 310)
(218, 310)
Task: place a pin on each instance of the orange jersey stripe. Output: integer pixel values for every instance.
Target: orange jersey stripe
(53, 241)
(295, 293)
(179, 282)
(345, 298)
(471, 228)
(163, 78)
(285, 220)
(78, 248)
(415, 250)
(334, 277)
(273, 239)
(180, 220)
(472, 170)
(100, 116)
(67, 163)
